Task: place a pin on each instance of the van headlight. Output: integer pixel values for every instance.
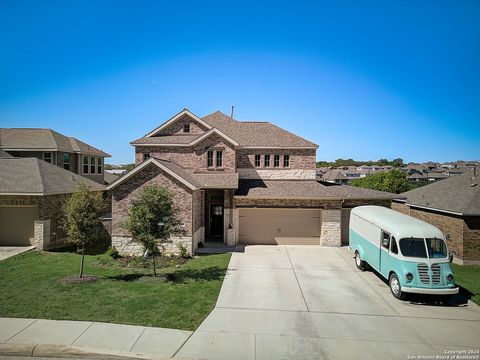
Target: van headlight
(409, 276)
(450, 277)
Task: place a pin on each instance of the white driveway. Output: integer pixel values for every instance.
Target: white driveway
(310, 302)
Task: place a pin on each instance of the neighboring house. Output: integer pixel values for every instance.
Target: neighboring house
(238, 182)
(32, 194)
(335, 176)
(452, 205)
(66, 152)
(417, 177)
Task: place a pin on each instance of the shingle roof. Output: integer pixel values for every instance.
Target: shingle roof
(333, 175)
(305, 189)
(109, 178)
(44, 139)
(459, 194)
(255, 133)
(195, 181)
(166, 140)
(37, 177)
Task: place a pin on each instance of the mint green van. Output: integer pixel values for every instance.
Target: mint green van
(411, 254)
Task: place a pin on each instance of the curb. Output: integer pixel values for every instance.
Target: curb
(56, 351)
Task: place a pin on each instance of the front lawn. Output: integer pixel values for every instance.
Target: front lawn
(468, 277)
(31, 287)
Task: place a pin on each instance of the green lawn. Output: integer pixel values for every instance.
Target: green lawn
(468, 277)
(31, 287)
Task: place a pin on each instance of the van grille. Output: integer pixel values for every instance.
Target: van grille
(435, 274)
(423, 273)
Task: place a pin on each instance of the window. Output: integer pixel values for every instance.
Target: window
(85, 164)
(286, 160)
(209, 158)
(276, 160)
(257, 160)
(99, 165)
(186, 128)
(146, 157)
(266, 160)
(436, 248)
(219, 158)
(66, 161)
(393, 246)
(413, 247)
(47, 156)
(92, 165)
(217, 210)
(385, 239)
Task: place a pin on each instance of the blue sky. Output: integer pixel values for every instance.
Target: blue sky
(365, 80)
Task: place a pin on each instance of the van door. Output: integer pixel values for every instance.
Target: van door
(384, 256)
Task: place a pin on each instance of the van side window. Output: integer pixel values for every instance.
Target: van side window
(385, 240)
(393, 246)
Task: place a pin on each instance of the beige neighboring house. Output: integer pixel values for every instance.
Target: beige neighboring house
(32, 193)
(452, 205)
(66, 152)
(237, 182)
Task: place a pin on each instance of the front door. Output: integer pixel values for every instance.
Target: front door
(216, 222)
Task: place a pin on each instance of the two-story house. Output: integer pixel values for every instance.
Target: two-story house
(66, 152)
(238, 182)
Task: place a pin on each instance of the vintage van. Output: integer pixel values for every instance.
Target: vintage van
(411, 254)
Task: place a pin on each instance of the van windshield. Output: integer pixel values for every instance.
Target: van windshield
(436, 248)
(413, 247)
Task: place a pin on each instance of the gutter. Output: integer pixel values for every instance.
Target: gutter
(438, 210)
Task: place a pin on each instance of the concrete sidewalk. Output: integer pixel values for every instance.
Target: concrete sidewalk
(31, 337)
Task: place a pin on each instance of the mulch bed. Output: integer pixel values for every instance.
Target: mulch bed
(78, 280)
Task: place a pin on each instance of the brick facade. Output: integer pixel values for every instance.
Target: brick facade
(177, 127)
(124, 193)
(462, 233)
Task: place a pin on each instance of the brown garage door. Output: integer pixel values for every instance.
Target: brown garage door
(345, 225)
(16, 225)
(279, 226)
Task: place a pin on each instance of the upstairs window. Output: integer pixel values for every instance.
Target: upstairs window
(85, 164)
(66, 161)
(146, 157)
(266, 161)
(219, 162)
(257, 160)
(276, 160)
(286, 160)
(186, 127)
(99, 165)
(210, 158)
(92, 165)
(47, 156)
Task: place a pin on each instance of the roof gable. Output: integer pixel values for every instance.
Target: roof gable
(176, 118)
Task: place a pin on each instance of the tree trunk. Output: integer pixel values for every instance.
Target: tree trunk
(154, 266)
(81, 263)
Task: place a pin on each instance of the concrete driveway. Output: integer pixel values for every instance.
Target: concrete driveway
(9, 251)
(310, 302)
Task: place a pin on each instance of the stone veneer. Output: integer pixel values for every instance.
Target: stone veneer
(331, 228)
(462, 233)
(277, 174)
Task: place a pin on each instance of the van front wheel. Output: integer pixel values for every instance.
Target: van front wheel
(361, 265)
(395, 287)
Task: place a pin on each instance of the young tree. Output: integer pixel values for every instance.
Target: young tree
(393, 181)
(82, 219)
(152, 219)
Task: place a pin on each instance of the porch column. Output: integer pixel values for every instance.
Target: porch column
(330, 234)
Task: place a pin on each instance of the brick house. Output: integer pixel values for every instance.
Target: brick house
(32, 194)
(452, 205)
(66, 152)
(237, 182)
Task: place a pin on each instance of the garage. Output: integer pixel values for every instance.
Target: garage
(279, 226)
(16, 225)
